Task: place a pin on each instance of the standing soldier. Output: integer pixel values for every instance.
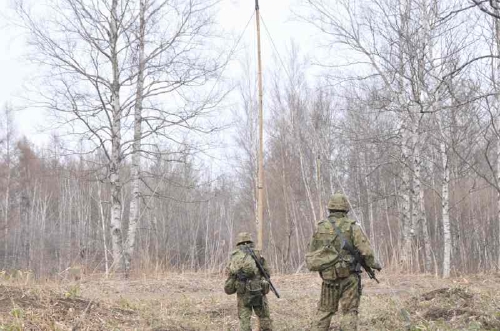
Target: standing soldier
(331, 253)
(246, 280)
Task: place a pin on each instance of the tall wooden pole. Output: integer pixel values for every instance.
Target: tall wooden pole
(260, 160)
(260, 184)
(318, 180)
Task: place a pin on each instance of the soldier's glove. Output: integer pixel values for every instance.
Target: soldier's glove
(265, 286)
(230, 285)
(377, 266)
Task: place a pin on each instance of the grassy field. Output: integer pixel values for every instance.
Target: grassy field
(189, 301)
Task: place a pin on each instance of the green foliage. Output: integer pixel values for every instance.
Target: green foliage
(475, 326)
(125, 304)
(17, 313)
(11, 327)
(17, 325)
(73, 292)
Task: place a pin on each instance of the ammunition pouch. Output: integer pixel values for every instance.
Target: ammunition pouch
(328, 274)
(253, 295)
(345, 267)
(240, 286)
(342, 269)
(265, 286)
(329, 296)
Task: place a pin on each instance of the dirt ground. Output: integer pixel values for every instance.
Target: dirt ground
(196, 301)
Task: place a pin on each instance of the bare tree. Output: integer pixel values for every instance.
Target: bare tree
(109, 58)
(6, 147)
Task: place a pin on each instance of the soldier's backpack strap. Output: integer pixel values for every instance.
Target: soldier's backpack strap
(341, 236)
(347, 246)
(324, 228)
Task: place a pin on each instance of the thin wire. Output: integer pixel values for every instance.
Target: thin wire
(276, 49)
(229, 56)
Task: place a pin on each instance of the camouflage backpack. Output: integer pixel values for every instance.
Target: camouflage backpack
(243, 265)
(327, 255)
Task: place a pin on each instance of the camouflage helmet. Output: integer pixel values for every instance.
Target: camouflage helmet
(338, 201)
(243, 237)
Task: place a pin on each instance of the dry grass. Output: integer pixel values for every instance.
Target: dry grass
(192, 301)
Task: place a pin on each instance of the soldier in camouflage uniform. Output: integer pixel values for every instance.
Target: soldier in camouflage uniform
(245, 279)
(341, 281)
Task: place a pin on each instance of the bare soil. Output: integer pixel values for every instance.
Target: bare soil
(196, 301)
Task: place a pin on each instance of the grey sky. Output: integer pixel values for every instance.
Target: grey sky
(234, 14)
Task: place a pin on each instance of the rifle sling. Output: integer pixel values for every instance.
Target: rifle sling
(356, 255)
(344, 243)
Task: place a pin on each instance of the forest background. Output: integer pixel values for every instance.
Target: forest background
(150, 162)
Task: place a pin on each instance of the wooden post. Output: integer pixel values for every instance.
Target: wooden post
(318, 180)
(260, 183)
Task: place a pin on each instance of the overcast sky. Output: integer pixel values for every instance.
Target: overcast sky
(234, 14)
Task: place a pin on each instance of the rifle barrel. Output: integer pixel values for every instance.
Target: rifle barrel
(262, 271)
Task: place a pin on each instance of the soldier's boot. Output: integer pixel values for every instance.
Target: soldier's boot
(349, 322)
(244, 315)
(265, 324)
(264, 316)
(322, 321)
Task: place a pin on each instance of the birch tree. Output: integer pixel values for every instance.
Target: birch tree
(7, 142)
(486, 164)
(110, 64)
(169, 58)
(353, 29)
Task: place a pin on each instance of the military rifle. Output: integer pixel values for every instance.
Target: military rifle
(358, 258)
(355, 253)
(240, 275)
(250, 251)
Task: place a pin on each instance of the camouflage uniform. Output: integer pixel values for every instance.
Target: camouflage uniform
(341, 282)
(250, 290)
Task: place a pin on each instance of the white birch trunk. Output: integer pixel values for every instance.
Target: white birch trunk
(103, 224)
(387, 218)
(445, 212)
(7, 204)
(6, 215)
(136, 156)
(496, 73)
(425, 232)
(418, 203)
(418, 193)
(405, 141)
(445, 201)
(371, 224)
(115, 162)
(420, 207)
(498, 198)
(8, 140)
(426, 45)
(406, 210)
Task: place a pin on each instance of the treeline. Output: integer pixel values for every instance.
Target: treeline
(55, 215)
(403, 119)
